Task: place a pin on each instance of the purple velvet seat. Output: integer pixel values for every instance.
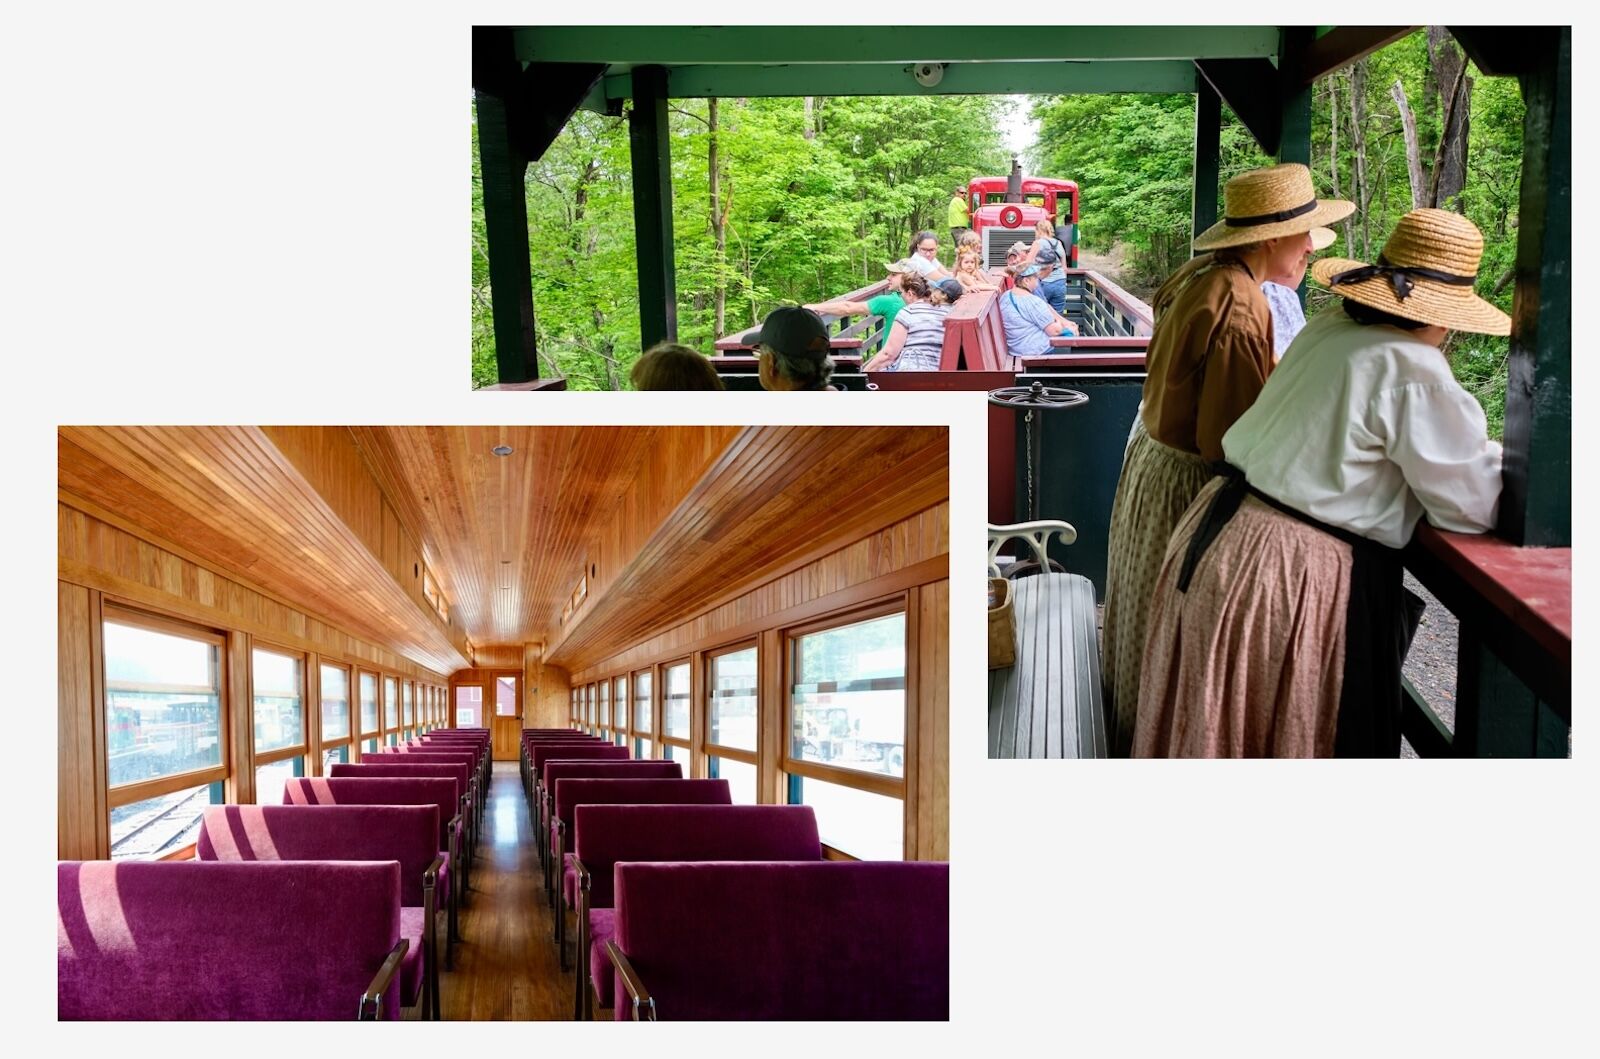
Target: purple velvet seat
(571, 793)
(598, 768)
(563, 751)
(606, 834)
(404, 833)
(384, 790)
(783, 940)
(189, 940)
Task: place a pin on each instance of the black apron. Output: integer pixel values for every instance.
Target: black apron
(1379, 622)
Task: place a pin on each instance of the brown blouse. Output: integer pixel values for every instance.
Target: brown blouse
(1210, 353)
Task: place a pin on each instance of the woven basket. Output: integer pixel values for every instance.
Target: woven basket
(1002, 625)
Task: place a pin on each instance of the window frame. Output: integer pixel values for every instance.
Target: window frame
(603, 716)
(128, 793)
(303, 748)
(619, 732)
(664, 740)
(389, 679)
(351, 708)
(377, 698)
(749, 757)
(635, 733)
(791, 766)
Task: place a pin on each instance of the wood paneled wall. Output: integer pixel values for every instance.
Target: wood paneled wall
(910, 552)
(908, 560)
(99, 562)
(328, 458)
(98, 555)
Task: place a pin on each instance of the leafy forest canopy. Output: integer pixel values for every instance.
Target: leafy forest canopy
(796, 200)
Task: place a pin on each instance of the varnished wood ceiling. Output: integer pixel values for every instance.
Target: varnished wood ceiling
(509, 537)
(229, 497)
(672, 519)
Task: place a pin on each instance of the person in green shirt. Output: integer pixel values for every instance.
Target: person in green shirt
(960, 217)
(885, 305)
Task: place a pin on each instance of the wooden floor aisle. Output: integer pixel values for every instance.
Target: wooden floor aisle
(505, 968)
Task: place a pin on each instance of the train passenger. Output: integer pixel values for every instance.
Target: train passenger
(792, 347)
(885, 305)
(1048, 253)
(967, 273)
(1208, 357)
(1029, 321)
(969, 240)
(924, 256)
(960, 217)
(669, 366)
(1013, 264)
(917, 338)
(1287, 315)
(1279, 622)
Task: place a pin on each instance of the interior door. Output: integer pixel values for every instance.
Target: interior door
(506, 727)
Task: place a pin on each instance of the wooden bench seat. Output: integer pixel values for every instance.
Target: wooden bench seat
(1048, 703)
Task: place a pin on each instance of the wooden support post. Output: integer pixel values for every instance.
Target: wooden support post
(1497, 714)
(1207, 157)
(1536, 501)
(650, 146)
(1294, 96)
(505, 215)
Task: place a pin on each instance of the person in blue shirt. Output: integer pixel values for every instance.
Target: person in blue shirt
(1029, 320)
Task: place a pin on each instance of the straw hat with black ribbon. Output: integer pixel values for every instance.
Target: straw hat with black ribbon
(1426, 272)
(1270, 203)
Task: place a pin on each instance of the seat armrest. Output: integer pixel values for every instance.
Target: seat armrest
(644, 1005)
(371, 1008)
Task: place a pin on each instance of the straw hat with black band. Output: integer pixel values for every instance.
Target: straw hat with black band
(1271, 203)
(1427, 273)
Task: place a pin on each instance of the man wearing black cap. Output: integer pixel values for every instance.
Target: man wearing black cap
(792, 346)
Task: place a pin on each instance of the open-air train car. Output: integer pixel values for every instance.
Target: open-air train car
(503, 722)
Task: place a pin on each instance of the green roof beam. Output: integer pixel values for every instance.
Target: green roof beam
(882, 79)
(703, 45)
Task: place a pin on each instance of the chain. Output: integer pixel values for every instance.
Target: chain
(1027, 431)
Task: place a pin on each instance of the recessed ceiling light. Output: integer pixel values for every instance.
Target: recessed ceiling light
(502, 450)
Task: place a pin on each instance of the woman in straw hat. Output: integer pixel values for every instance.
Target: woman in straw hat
(1208, 358)
(1279, 622)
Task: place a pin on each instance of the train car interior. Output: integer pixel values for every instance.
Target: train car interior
(503, 723)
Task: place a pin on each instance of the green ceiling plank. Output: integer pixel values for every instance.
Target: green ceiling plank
(698, 45)
(691, 82)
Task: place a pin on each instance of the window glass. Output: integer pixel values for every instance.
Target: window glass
(163, 704)
(733, 700)
(370, 746)
(619, 710)
(469, 699)
(391, 703)
(677, 701)
(643, 748)
(680, 754)
(641, 702)
(155, 827)
(741, 777)
(605, 704)
(848, 703)
(339, 755)
(275, 685)
(271, 779)
(865, 825)
(369, 702)
(505, 696)
(335, 703)
(405, 703)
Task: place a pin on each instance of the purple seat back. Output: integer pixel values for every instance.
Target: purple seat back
(575, 792)
(608, 769)
(606, 834)
(465, 758)
(582, 752)
(400, 767)
(363, 790)
(813, 940)
(186, 940)
(405, 833)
